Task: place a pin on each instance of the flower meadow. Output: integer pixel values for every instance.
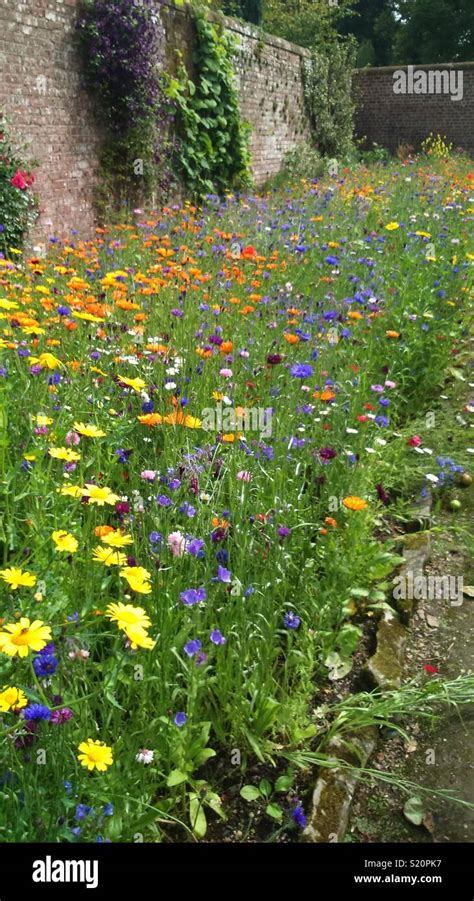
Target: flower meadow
(180, 577)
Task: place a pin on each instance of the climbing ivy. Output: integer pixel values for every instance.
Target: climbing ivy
(213, 152)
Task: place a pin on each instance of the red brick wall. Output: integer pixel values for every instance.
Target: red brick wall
(391, 119)
(41, 95)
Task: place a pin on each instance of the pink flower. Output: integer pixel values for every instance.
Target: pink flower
(244, 475)
(72, 438)
(176, 543)
(18, 181)
(226, 373)
(389, 384)
(148, 474)
(415, 441)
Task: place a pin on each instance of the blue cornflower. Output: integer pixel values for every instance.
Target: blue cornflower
(83, 811)
(192, 647)
(299, 816)
(45, 665)
(180, 719)
(108, 810)
(292, 621)
(36, 712)
(193, 596)
(217, 637)
(301, 370)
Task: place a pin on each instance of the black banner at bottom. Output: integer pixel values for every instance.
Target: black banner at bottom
(100, 869)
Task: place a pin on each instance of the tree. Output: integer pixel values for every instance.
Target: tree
(250, 10)
(308, 23)
(434, 31)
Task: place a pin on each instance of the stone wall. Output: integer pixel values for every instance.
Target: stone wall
(389, 118)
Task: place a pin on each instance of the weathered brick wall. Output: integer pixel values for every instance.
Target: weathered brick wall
(41, 95)
(390, 119)
(270, 78)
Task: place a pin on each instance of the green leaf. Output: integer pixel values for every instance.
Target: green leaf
(283, 783)
(274, 811)
(265, 788)
(204, 755)
(176, 777)
(197, 817)
(414, 810)
(249, 793)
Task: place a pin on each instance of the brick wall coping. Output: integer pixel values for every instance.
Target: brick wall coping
(237, 26)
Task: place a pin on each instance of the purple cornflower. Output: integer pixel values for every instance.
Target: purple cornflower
(292, 621)
(192, 647)
(58, 717)
(193, 596)
(217, 637)
(223, 575)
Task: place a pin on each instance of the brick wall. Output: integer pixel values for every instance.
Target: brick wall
(390, 119)
(40, 94)
(270, 79)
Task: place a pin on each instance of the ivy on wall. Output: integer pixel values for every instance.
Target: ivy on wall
(213, 152)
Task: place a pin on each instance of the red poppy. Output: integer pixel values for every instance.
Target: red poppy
(430, 669)
(249, 252)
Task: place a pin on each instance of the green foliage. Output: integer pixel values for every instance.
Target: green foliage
(434, 31)
(18, 205)
(213, 154)
(304, 22)
(249, 10)
(328, 96)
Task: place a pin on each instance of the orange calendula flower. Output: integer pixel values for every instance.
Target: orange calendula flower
(355, 503)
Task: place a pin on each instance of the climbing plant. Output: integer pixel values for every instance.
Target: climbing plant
(18, 204)
(120, 47)
(213, 151)
(328, 95)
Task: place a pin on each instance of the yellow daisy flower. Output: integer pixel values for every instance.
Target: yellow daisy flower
(88, 430)
(12, 699)
(139, 638)
(108, 557)
(64, 453)
(137, 578)
(99, 496)
(117, 539)
(19, 637)
(126, 615)
(137, 384)
(65, 542)
(15, 578)
(95, 755)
